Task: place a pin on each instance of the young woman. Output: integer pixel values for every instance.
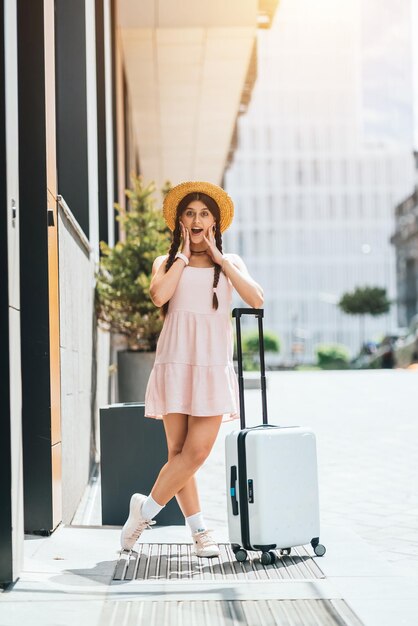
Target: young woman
(193, 387)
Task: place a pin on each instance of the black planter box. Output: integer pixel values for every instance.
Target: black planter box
(133, 450)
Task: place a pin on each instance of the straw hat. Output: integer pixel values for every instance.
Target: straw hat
(177, 193)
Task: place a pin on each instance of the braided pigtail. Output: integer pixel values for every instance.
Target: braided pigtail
(217, 271)
(175, 244)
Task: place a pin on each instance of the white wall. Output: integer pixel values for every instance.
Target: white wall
(76, 342)
(12, 165)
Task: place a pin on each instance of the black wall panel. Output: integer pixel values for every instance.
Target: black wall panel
(71, 107)
(34, 295)
(101, 122)
(5, 450)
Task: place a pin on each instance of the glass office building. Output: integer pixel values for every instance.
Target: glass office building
(318, 171)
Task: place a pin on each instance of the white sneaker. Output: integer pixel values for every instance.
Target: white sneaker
(135, 523)
(204, 545)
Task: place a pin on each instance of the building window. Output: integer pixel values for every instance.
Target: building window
(268, 138)
(285, 173)
(331, 207)
(315, 172)
(376, 202)
(257, 249)
(360, 205)
(359, 172)
(344, 172)
(298, 207)
(270, 209)
(346, 206)
(254, 137)
(299, 173)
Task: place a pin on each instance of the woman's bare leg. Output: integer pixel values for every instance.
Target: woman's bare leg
(176, 426)
(188, 498)
(201, 435)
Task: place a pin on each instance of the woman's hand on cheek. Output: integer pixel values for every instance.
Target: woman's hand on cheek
(213, 251)
(186, 240)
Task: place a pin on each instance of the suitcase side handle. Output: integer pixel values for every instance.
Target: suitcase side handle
(259, 314)
(233, 490)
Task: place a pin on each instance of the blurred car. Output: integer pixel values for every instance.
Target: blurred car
(379, 355)
(406, 348)
(384, 355)
(362, 360)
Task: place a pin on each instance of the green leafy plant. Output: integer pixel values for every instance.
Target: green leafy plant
(250, 341)
(122, 300)
(332, 356)
(250, 347)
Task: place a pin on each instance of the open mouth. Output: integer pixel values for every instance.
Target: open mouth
(197, 231)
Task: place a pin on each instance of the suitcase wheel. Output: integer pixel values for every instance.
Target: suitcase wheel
(241, 555)
(268, 558)
(320, 550)
(235, 547)
(285, 551)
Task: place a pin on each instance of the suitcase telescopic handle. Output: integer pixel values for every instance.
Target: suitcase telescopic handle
(259, 314)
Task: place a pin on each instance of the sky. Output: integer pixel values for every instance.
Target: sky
(388, 59)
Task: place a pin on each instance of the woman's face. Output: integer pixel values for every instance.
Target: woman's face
(197, 216)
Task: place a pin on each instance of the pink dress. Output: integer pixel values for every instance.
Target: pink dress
(193, 372)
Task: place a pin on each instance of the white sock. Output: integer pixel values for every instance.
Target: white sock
(196, 522)
(150, 508)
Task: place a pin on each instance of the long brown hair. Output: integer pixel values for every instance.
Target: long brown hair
(175, 243)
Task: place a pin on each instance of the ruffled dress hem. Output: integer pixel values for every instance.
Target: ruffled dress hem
(226, 417)
(171, 385)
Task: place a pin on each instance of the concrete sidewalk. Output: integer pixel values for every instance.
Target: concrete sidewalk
(69, 579)
(367, 448)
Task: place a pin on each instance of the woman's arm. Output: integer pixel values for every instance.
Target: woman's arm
(250, 291)
(163, 284)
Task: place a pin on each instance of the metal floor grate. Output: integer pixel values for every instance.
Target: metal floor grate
(172, 561)
(230, 613)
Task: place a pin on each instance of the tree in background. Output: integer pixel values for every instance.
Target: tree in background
(365, 301)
